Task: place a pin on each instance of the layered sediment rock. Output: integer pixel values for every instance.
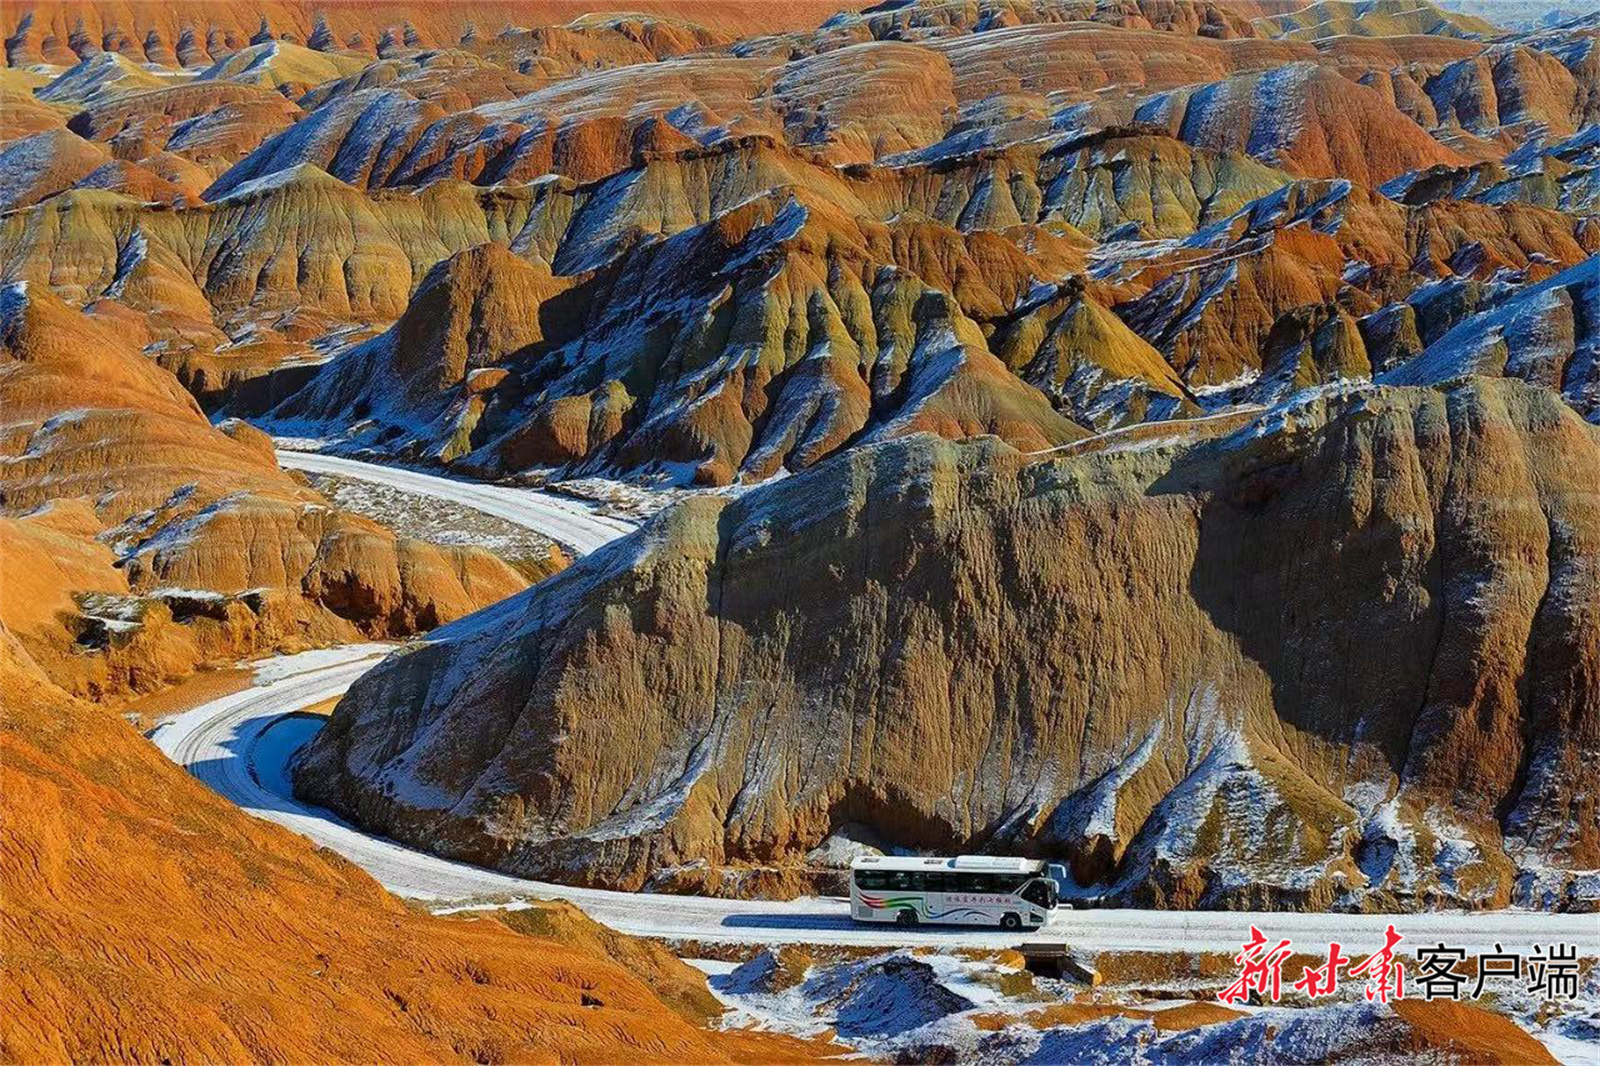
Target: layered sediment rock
(167, 542)
(772, 337)
(792, 324)
(1138, 657)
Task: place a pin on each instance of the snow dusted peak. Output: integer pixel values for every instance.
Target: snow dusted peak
(345, 138)
(1542, 335)
(102, 74)
(13, 303)
(129, 257)
(237, 62)
(786, 225)
(1279, 107)
(790, 218)
(1317, 203)
(1303, 117)
(278, 63)
(299, 174)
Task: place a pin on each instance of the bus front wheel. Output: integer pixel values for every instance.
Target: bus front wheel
(1011, 921)
(907, 917)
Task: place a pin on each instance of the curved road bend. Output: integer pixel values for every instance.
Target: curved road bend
(566, 521)
(241, 744)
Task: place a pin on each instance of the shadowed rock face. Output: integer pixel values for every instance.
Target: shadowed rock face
(1138, 656)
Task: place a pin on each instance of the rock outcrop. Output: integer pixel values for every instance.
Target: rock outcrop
(1138, 656)
(764, 340)
(139, 541)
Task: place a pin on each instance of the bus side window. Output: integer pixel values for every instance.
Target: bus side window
(871, 880)
(974, 883)
(936, 882)
(905, 880)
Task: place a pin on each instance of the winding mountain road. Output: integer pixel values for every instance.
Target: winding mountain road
(241, 745)
(568, 522)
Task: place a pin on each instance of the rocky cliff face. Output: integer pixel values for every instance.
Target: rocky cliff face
(1137, 656)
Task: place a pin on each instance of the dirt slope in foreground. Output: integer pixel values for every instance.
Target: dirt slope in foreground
(146, 920)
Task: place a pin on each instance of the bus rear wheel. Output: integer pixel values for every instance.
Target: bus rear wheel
(907, 917)
(1011, 921)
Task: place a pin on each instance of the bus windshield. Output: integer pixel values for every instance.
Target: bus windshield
(1042, 893)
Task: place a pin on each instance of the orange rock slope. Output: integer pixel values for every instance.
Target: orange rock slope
(138, 540)
(197, 31)
(148, 921)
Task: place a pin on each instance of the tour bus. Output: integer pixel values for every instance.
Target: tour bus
(965, 890)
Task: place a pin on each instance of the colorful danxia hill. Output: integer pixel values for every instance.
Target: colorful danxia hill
(1158, 437)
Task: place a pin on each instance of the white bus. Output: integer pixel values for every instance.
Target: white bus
(965, 890)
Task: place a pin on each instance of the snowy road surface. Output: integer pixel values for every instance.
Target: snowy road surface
(568, 522)
(240, 745)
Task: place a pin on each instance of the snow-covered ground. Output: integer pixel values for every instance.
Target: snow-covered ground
(920, 1005)
(568, 522)
(429, 517)
(240, 744)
